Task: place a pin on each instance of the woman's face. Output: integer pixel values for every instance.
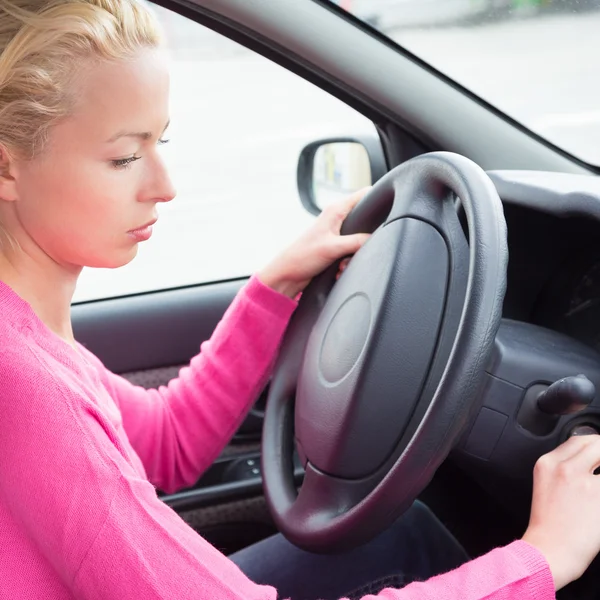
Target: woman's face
(100, 176)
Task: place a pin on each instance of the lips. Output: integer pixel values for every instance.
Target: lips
(143, 233)
(142, 227)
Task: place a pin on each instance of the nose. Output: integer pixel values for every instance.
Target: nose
(159, 186)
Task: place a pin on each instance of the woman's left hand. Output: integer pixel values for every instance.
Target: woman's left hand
(318, 247)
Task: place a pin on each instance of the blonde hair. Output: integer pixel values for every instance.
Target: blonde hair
(43, 44)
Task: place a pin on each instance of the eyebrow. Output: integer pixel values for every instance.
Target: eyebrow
(142, 135)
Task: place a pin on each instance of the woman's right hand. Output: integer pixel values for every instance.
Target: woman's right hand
(565, 511)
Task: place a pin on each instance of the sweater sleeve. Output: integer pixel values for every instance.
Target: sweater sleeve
(179, 429)
(517, 571)
(68, 485)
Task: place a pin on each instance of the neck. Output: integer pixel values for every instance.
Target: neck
(47, 286)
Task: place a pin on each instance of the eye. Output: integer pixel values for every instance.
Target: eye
(123, 163)
(162, 141)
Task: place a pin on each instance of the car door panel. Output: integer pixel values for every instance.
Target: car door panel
(153, 330)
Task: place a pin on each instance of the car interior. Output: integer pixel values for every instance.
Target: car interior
(441, 144)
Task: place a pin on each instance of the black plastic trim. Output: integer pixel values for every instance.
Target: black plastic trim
(216, 494)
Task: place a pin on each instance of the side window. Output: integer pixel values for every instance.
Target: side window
(238, 124)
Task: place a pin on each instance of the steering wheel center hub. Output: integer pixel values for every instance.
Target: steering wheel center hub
(345, 338)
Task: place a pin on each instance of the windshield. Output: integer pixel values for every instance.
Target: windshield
(535, 60)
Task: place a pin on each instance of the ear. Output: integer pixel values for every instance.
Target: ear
(8, 168)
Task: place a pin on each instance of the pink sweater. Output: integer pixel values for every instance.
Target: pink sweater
(82, 449)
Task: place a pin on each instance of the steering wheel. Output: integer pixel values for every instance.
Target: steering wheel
(379, 371)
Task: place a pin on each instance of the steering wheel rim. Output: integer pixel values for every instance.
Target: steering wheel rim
(338, 366)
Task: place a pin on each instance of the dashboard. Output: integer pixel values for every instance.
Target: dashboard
(553, 225)
(550, 330)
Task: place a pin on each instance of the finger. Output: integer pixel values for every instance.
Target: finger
(588, 458)
(571, 447)
(344, 263)
(342, 267)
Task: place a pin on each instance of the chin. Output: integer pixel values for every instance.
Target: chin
(118, 259)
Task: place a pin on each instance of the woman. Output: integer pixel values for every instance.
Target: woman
(83, 106)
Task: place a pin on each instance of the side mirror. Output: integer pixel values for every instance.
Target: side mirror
(331, 169)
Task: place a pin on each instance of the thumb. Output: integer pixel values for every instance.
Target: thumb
(350, 244)
(356, 197)
(343, 208)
